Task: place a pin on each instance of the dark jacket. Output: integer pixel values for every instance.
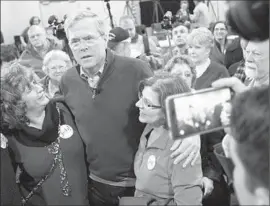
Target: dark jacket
(234, 53)
(36, 162)
(31, 58)
(210, 165)
(10, 194)
(107, 118)
(216, 54)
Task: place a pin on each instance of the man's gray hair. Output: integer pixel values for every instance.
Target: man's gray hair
(35, 27)
(78, 15)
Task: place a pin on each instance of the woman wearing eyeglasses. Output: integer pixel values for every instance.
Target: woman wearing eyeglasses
(157, 178)
(46, 148)
(55, 64)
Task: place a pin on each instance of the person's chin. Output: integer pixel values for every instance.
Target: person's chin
(87, 63)
(142, 119)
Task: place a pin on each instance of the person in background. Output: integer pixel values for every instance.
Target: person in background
(46, 148)
(35, 20)
(39, 45)
(183, 15)
(138, 41)
(255, 69)
(200, 43)
(220, 32)
(55, 64)
(157, 178)
(249, 147)
(101, 92)
(179, 35)
(119, 41)
(200, 16)
(182, 66)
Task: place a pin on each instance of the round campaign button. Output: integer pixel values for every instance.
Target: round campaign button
(151, 162)
(66, 131)
(4, 141)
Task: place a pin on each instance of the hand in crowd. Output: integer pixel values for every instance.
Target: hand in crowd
(187, 149)
(234, 83)
(208, 186)
(226, 144)
(225, 117)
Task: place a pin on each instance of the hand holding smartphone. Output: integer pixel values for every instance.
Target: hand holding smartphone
(196, 112)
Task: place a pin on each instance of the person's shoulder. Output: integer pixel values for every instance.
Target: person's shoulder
(69, 74)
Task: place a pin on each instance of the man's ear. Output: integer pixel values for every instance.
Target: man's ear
(262, 196)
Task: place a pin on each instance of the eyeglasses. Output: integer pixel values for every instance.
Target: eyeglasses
(147, 104)
(89, 40)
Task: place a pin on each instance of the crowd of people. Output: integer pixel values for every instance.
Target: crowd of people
(88, 127)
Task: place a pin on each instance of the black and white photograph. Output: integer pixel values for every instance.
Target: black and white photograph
(84, 116)
(199, 113)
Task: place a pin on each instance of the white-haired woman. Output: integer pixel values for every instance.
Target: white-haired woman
(55, 64)
(200, 42)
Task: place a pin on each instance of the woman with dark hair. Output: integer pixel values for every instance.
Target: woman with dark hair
(157, 178)
(182, 65)
(220, 32)
(34, 20)
(225, 51)
(46, 148)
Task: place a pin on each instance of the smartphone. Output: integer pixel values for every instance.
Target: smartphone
(196, 112)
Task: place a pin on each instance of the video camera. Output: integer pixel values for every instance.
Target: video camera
(169, 20)
(57, 26)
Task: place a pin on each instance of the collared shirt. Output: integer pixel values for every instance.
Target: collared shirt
(200, 69)
(92, 81)
(156, 175)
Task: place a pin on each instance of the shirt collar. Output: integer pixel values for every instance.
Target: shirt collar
(200, 69)
(85, 76)
(161, 139)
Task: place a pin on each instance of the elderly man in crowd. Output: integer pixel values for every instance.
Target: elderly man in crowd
(39, 45)
(119, 41)
(137, 40)
(101, 92)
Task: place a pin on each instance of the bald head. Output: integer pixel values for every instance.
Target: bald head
(37, 35)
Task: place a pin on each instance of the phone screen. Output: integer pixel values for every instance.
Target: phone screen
(198, 112)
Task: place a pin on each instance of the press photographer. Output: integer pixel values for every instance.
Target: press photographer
(57, 27)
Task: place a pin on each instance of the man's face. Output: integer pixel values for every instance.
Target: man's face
(36, 21)
(220, 31)
(123, 49)
(87, 44)
(129, 26)
(180, 34)
(37, 36)
(257, 57)
(244, 195)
